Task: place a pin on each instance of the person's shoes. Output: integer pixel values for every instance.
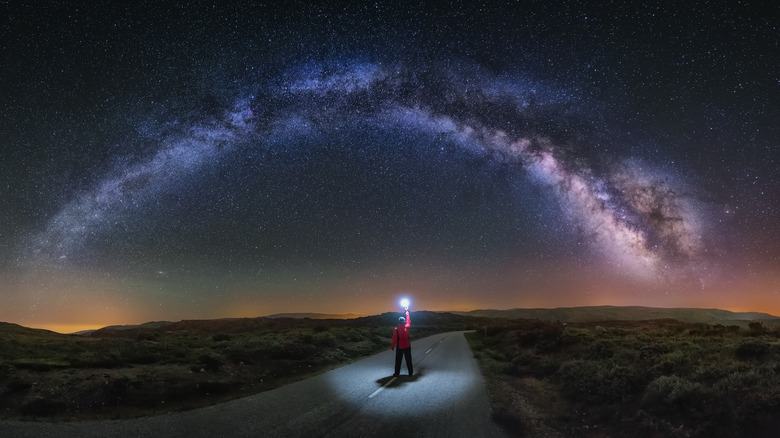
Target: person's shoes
(395, 375)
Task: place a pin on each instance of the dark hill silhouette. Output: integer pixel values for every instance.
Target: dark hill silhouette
(241, 325)
(316, 315)
(473, 319)
(628, 313)
(11, 329)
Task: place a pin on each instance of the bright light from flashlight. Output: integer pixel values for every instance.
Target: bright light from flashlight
(405, 302)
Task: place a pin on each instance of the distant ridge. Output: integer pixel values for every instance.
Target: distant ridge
(627, 313)
(9, 328)
(151, 324)
(563, 314)
(316, 315)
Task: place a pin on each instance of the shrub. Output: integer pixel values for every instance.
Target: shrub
(744, 381)
(541, 332)
(669, 394)
(756, 327)
(600, 349)
(492, 340)
(287, 351)
(596, 382)
(571, 339)
(219, 337)
(323, 339)
(651, 352)
(675, 362)
(211, 361)
(752, 349)
(99, 394)
(540, 366)
(145, 336)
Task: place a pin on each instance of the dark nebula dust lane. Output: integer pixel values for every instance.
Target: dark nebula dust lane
(248, 158)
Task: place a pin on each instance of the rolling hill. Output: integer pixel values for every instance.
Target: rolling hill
(628, 313)
(422, 317)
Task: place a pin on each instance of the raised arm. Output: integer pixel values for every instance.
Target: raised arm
(408, 320)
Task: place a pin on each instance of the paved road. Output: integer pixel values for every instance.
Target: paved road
(445, 398)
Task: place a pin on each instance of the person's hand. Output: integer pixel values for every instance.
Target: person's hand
(406, 308)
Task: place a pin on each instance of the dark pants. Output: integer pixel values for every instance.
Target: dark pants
(403, 353)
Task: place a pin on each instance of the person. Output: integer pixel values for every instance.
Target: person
(401, 340)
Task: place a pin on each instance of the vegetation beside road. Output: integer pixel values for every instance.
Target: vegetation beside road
(661, 378)
(609, 379)
(152, 369)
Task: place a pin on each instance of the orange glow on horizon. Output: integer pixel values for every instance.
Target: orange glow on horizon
(88, 302)
(67, 329)
(70, 328)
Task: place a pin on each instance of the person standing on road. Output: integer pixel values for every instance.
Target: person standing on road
(401, 340)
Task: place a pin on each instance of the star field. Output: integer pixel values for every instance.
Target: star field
(164, 162)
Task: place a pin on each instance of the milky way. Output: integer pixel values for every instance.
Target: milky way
(635, 218)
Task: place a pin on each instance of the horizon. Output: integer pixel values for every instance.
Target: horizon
(67, 329)
(189, 163)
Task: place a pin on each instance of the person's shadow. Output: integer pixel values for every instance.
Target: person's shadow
(399, 381)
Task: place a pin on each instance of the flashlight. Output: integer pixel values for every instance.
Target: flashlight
(405, 303)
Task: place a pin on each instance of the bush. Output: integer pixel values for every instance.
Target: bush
(599, 382)
(219, 337)
(103, 393)
(670, 394)
(675, 362)
(600, 349)
(756, 327)
(752, 349)
(749, 380)
(287, 351)
(533, 365)
(541, 332)
(144, 336)
(323, 339)
(211, 361)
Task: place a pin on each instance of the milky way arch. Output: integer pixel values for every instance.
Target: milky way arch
(638, 221)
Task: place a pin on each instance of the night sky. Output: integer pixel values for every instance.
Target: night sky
(167, 162)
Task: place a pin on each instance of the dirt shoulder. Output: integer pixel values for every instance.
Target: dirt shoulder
(523, 407)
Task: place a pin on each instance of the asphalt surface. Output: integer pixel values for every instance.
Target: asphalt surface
(445, 398)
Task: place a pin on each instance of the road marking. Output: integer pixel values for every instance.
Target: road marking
(383, 387)
(374, 394)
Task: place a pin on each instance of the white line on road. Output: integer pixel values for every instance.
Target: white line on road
(383, 387)
(374, 394)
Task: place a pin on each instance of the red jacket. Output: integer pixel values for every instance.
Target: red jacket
(401, 334)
